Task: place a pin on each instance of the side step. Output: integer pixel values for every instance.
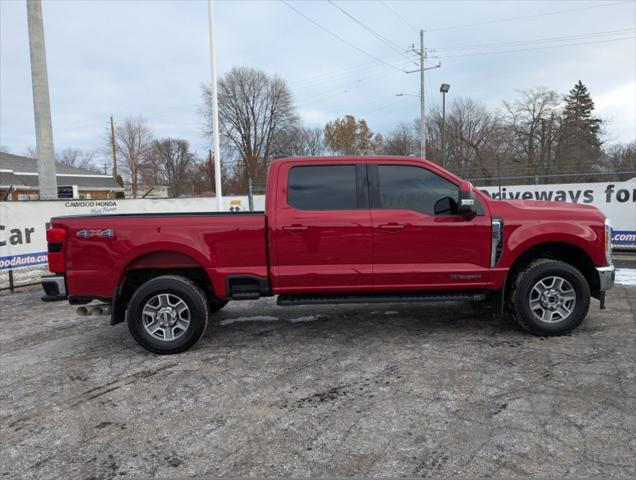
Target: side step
(246, 295)
(287, 300)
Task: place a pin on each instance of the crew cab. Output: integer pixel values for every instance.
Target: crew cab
(337, 230)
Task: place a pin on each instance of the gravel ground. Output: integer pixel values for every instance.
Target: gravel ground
(392, 390)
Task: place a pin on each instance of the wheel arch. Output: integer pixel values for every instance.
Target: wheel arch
(562, 251)
(149, 265)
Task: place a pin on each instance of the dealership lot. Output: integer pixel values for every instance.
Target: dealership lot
(416, 390)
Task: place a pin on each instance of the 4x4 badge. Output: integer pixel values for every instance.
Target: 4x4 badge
(96, 233)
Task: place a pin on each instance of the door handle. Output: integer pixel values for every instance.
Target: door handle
(393, 227)
(295, 228)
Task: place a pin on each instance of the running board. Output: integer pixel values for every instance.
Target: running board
(288, 300)
(246, 296)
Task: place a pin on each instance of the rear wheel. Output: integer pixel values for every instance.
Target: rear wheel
(549, 298)
(167, 314)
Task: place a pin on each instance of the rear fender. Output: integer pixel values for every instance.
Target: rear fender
(163, 255)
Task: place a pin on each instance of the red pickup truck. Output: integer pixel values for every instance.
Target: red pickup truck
(337, 230)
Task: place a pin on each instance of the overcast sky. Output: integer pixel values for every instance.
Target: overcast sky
(150, 58)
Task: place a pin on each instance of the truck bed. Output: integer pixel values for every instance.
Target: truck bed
(101, 249)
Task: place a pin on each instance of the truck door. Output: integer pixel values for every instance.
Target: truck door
(413, 248)
(321, 233)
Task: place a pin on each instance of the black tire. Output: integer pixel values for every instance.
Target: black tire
(170, 287)
(214, 304)
(522, 292)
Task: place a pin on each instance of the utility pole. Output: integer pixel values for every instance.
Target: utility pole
(215, 112)
(250, 194)
(47, 181)
(422, 54)
(444, 88)
(443, 128)
(112, 143)
(211, 169)
(422, 105)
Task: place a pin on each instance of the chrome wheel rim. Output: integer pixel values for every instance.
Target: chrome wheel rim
(552, 299)
(166, 317)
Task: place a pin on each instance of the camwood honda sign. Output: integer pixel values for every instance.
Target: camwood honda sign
(23, 224)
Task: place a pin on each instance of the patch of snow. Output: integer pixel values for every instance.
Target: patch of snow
(626, 276)
(257, 318)
(308, 318)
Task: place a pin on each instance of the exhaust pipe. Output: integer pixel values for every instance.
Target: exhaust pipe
(94, 310)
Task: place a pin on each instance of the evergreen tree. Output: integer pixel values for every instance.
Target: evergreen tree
(580, 144)
(578, 110)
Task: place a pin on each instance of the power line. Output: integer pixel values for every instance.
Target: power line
(535, 48)
(319, 79)
(326, 30)
(581, 36)
(380, 37)
(557, 12)
(334, 92)
(382, 107)
(397, 14)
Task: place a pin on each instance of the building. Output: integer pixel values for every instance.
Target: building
(19, 181)
(148, 191)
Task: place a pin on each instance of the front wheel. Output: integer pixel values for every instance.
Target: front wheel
(549, 298)
(167, 314)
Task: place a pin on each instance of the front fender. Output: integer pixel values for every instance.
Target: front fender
(521, 239)
(527, 236)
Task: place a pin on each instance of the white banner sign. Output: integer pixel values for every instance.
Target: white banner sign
(617, 200)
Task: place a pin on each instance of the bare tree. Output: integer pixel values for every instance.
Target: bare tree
(253, 108)
(533, 118)
(73, 157)
(299, 141)
(620, 158)
(469, 128)
(133, 138)
(171, 163)
(402, 141)
(203, 175)
(31, 152)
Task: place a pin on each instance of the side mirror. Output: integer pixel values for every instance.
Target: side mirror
(445, 205)
(467, 206)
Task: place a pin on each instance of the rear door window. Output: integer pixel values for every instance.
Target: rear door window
(322, 187)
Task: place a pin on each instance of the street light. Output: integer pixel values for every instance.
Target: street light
(444, 89)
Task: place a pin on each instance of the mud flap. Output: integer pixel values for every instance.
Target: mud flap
(500, 302)
(118, 308)
(601, 299)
